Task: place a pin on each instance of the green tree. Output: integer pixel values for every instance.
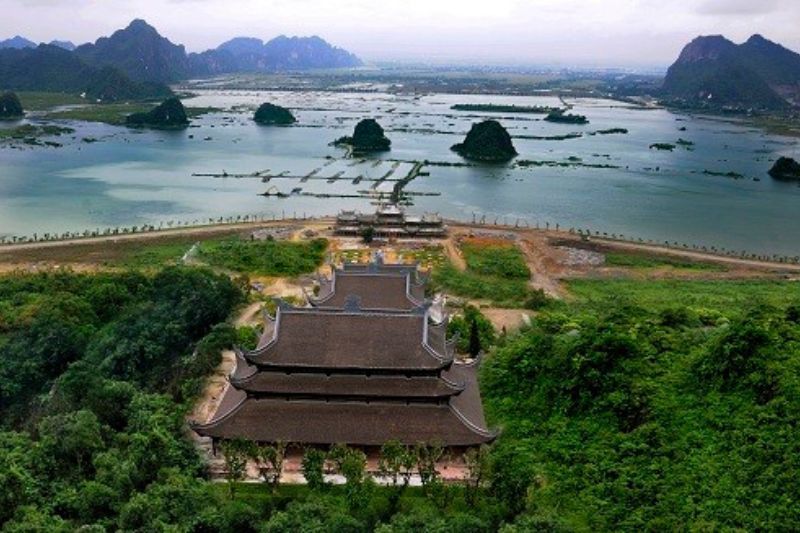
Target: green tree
(313, 464)
(474, 339)
(269, 459)
(236, 453)
(428, 457)
(396, 462)
(70, 440)
(477, 463)
(368, 234)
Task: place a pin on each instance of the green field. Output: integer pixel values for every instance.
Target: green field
(499, 261)
(496, 273)
(651, 261)
(224, 249)
(727, 296)
(269, 257)
(29, 131)
(41, 101)
(115, 114)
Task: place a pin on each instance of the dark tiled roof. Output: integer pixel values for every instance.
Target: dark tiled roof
(243, 369)
(344, 385)
(379, 267)
(468, 402)
(355, 423)
(375, 290)
(351, 339)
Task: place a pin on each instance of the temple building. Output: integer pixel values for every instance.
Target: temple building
(363, 365)
(390, 221)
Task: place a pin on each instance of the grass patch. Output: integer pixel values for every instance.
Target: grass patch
(501, 292)
(496, 260)
(644, 261)
(168, 253)
(722, 295)
(138, 253)
(115, 114)
(496, 271)
(41, 101)
(30, 131)
(269, 258)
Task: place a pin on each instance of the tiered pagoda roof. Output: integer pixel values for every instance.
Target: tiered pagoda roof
(353, 375)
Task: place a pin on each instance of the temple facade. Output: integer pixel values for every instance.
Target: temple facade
(390, 221)
(364, 364)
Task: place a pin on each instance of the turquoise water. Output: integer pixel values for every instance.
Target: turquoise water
(134, 178)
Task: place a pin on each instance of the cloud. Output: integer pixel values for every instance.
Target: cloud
(738, 7)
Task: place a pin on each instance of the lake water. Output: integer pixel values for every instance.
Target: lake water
(133, 178)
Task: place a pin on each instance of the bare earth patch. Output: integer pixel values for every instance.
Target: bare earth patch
(508, 319)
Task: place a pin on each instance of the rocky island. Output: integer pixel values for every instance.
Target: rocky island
(169, 114)
(10, 107)
(564, 118)
(271, 114)
(486, 141)
(785, 168)
(368, 136)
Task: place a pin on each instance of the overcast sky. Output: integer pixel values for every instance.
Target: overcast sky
(554, 32)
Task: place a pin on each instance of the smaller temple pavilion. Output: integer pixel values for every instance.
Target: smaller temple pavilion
(390, 221)
(363, 365)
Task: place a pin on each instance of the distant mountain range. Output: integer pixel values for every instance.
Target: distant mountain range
(141, 59)
(21, 42)
(286, 53)
(715, 73)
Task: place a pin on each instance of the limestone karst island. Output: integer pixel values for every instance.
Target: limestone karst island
(335, 266)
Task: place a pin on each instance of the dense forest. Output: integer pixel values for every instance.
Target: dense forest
(53, 69)
(615, 414)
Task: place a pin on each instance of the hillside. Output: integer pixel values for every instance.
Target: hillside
(140, 52)
(53, 69)
(715, 73)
